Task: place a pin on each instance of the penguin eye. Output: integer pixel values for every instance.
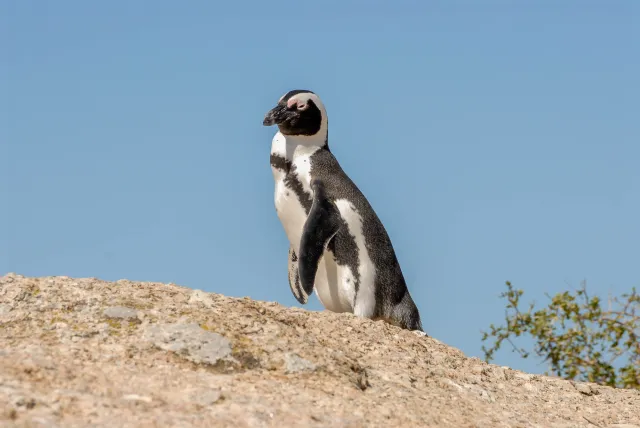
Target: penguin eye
(302, 107)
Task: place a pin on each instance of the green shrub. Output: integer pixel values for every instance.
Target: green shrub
(578, 337)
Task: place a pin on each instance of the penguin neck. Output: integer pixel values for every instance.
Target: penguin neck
(285, 145)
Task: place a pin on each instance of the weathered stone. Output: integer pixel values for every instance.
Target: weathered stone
(295, 364)
(73, 364)
(199, 297)
(190, 341)
(121, 312)
(206, 397)
(585, 389)
(136, 397)
(4, 309)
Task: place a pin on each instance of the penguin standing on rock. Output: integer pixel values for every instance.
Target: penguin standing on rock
(338, 246)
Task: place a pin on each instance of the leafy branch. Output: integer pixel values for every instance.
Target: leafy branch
(578, 337)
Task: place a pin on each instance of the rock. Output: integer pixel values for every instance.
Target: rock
(194, 359)
(27, 403)
(199, 297)
(206, 397)
(485, 395)
(190, 341)
(295, 364)
(136, 397)
(585, 389)
(4, 309)
(523, 376)
(120, 312)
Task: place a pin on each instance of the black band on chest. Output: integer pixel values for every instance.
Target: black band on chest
(279, 162)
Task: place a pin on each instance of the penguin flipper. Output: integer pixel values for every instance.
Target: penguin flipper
(294, 278)
(320, 227)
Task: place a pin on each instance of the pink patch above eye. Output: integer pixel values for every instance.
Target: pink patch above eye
(300, 104)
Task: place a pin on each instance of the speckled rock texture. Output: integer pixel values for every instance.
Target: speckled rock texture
(90, 353)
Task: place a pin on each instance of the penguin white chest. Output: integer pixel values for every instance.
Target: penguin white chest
(290, 211)
(335, 294)
(291, 189)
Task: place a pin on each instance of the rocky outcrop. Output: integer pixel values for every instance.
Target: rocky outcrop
(90, 353)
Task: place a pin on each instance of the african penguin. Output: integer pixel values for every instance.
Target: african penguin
(338, 246)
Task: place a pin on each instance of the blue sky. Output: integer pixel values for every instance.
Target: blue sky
(496, 141)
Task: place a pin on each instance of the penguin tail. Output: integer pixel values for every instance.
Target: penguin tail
(406, 314)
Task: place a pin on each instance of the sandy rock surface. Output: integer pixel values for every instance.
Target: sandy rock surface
(90, 353)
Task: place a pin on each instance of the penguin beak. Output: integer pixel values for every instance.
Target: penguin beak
(277, 115)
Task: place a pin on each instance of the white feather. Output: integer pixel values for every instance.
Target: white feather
(366, 299)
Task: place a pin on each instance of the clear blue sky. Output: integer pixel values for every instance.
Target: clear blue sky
(497, 142)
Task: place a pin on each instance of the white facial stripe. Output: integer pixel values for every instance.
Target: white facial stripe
(303, 98)
(293, 101)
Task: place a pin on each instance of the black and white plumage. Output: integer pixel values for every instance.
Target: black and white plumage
(338, 246)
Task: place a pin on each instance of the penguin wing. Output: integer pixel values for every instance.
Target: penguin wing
(294, 278)
(322, 223)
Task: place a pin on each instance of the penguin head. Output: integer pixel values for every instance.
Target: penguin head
(299, 113)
